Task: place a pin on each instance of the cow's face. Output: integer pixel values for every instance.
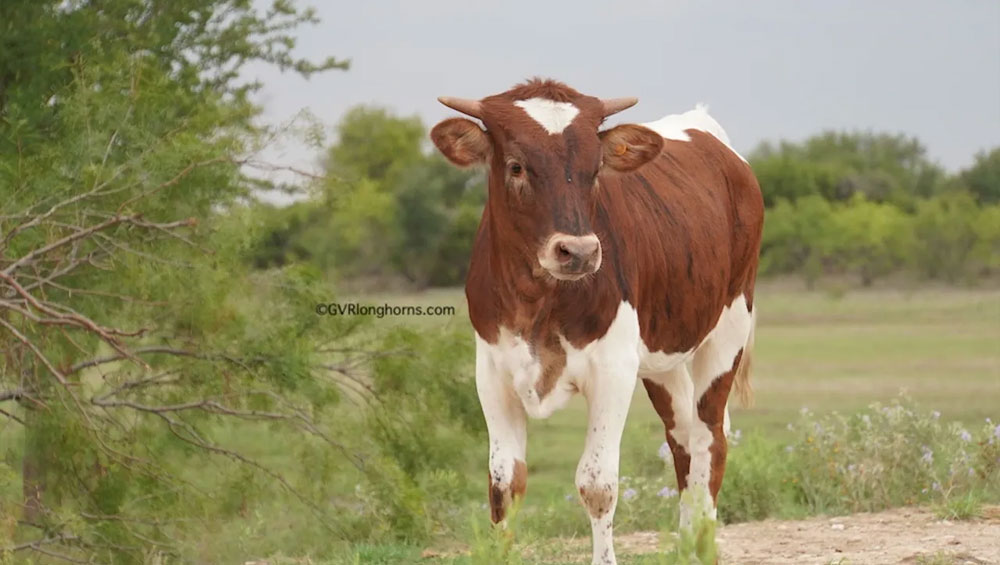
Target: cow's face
(544, 153)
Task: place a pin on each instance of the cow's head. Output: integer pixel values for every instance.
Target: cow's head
(544, 154)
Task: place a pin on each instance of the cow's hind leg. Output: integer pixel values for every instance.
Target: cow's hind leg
(608, 398)
(506, 424)
(672, 395)
(715, 364)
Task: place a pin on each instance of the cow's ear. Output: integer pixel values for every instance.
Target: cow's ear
(462, 141)
(628, 146)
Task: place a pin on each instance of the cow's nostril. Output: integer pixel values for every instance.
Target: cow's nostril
(563, 251)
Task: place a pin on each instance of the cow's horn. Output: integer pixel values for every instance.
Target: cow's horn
(615, 105)
(469, 107)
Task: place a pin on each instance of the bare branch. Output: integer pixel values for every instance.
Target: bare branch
(176, 179)
(167, 350)
(38, 252)
(38, 545)
(73, 318)
(12, 417)
(37, 352)
(15, 394)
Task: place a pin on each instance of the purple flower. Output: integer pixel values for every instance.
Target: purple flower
(936, 486)
(629, 494)
(996, 431)
(928, 456)
(965, 435)
(665, 453)
(667, 492)
(570, 497)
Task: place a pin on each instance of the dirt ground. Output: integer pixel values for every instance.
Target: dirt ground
(910, 536)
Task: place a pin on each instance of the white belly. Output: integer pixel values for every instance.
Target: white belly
(621, 346)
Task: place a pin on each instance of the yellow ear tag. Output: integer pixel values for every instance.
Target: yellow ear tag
(620, 149)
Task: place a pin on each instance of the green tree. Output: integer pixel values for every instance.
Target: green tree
(435, 201)
(837, 165)
(986, 250)
(374, 144)
(128, 327)
(868, 238)
(982, 179)
(797, 237)
(945, 235)
(388, 211)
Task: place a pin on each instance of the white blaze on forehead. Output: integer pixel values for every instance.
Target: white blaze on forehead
(551, 115)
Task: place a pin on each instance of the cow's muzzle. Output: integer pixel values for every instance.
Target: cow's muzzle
(570, 257)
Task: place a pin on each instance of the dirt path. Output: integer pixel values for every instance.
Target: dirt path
(901, 536)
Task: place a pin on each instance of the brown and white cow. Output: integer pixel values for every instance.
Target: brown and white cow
(604, 256)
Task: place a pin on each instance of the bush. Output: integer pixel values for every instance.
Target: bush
(885, 456)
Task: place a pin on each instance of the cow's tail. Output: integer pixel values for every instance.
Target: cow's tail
(741, 382)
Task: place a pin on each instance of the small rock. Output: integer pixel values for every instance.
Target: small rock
(837, 527)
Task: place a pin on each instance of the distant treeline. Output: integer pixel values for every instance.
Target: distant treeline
(857, 204)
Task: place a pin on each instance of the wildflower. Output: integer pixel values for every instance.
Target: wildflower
(789, 449)
(735, 437)
(965, 435)
(996, 431)
(928, 456)
(923, 490)
(972, 472)
(867, 420)
(851, 468)
(665, 453)
(629, 494)
(570, 497)
(790, 427)
(936, 486)
(667, 492)
(804, 411)
(935, 414)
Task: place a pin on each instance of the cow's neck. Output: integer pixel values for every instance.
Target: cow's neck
(513, 262)
(528, 302)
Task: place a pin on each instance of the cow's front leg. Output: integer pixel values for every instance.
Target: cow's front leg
(608, 397)
(506, 425)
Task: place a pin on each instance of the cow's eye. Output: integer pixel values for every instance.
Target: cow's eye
(515, 169)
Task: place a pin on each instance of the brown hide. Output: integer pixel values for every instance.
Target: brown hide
(680, 234)
(680, 237)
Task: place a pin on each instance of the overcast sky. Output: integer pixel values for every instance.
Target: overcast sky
(768, 70)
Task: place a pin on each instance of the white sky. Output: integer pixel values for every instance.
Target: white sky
(768, 70)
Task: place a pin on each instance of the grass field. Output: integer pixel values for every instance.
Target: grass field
(822, 351)
(813, 349)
